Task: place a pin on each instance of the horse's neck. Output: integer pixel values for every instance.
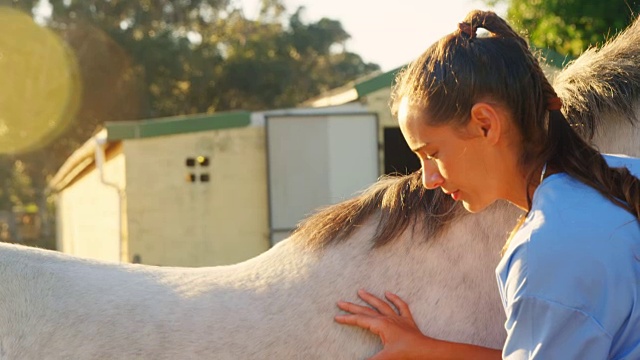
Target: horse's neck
(449, 281)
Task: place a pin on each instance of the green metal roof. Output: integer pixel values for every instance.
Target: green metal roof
(381, 81)
(176, 125)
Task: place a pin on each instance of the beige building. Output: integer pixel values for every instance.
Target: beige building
(209, 189)
(150, 192)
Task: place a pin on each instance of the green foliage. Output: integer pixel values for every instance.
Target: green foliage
(570, 26)
(205, 56)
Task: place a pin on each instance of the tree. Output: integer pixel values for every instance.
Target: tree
(274, 64)
(571, 26)
(141, 59)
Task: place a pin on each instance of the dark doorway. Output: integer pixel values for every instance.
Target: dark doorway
(398, 158)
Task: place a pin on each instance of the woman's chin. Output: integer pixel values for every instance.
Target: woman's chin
(474, 207)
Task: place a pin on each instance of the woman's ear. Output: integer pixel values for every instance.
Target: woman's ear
(486, 121)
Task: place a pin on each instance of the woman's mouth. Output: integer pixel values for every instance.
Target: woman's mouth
(455, 195)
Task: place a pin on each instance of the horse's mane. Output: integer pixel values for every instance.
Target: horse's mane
(397, 201)
(600, 82)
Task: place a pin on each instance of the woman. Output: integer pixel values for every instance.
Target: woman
(486, 125)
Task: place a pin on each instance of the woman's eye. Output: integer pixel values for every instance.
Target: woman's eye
(432, 156)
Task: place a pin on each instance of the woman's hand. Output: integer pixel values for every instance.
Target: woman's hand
(401, 337)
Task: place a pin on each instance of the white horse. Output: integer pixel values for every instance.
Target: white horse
(280, 305)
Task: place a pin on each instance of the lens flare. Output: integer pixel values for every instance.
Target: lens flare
(40, 88)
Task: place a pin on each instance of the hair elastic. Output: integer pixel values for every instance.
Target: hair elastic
(555, 103)
(467, 29)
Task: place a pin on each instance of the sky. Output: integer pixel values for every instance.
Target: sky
(389, 33)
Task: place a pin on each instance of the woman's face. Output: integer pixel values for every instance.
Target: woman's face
(458, 160)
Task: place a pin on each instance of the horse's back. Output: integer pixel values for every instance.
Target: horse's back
(60, 307)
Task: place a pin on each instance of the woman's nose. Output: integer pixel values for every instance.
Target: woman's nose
(431, 178)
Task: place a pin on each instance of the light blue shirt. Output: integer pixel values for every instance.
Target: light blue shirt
(570, 279)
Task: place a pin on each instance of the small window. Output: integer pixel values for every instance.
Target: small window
(191, 177)
(191, 162)
(204, 177)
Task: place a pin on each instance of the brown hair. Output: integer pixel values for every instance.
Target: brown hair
(461, 69)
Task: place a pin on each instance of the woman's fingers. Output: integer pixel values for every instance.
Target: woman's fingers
(357, 309)
(378, 304)
(403, 307)
(363, 321)
(397, 330)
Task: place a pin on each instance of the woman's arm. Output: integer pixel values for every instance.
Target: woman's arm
(400, 336)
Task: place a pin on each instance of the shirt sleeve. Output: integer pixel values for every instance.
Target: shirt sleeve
(541, 329)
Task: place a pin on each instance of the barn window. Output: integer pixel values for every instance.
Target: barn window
(204, 177)
(191, 162)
